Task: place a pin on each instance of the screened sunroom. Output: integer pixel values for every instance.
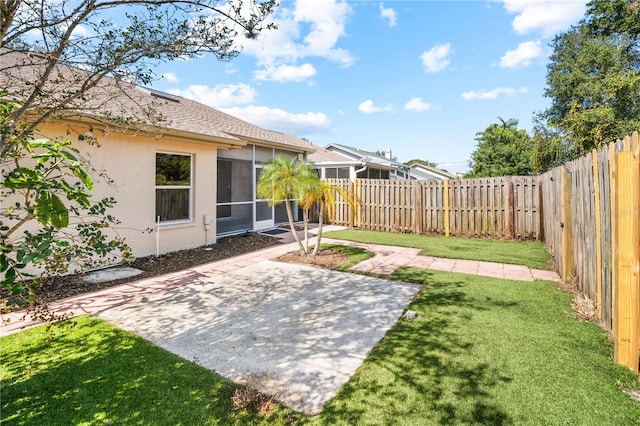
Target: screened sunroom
(238, 209)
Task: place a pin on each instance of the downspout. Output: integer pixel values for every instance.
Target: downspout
(364, 166)
(362, 169)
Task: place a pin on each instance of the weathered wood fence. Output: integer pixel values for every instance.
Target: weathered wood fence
(587, 212)
(591, 224)
(501, 208)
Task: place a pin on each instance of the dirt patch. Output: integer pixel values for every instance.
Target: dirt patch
(331, 259)
(71, 285)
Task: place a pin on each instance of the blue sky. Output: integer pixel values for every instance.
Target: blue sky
(418, 77)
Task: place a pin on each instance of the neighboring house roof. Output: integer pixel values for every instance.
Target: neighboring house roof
(423, 172)
(365, 157)
(142, 109)
(324, 156)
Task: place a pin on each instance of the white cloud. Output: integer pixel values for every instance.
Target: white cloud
(82, 31)
(282, 121)
(547, 17)
(284, 73)
(493, 94)
(171, 77)
(437, 58)
(522, 55)
(222, 95)
(309, 28)
(389, 14)
(368, 107)
(418, 105)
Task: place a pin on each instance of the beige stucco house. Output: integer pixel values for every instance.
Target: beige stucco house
(181, 178)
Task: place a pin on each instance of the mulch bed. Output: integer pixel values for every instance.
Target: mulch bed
(330, 259)
(57, 288)
(71, 285)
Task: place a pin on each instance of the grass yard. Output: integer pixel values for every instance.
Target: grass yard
(481, 351)
(531, 254)
(487, 351)
(96, 374)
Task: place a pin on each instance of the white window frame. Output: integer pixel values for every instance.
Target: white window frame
(190, 188)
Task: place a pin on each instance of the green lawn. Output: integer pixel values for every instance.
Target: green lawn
(487, 351)
(531, 254)
(481, 351)
(96, 374)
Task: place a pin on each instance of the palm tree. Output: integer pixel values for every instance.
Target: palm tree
(324, 194)
(285, 180)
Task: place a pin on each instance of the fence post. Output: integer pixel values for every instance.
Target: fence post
(509, 211)
(357, 220)
(419, 207)
(596, 195)
(627, 303)
(446, 208)
(567, 227)
(613, 178)
(540, 215)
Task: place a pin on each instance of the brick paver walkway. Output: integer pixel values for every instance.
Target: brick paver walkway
(390, 258)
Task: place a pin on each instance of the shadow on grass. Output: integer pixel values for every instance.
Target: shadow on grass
(97, 374)
(421, 372)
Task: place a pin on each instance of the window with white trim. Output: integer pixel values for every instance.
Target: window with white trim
(173, 187)
(336, 173)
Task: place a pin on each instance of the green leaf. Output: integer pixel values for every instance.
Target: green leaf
(9, 277)
(80, 173)
(43, 208)
(69, 156)
(27, 258)
(44, 246)
(59, 213)
(4, 263)
(17, 289)
(50, 209)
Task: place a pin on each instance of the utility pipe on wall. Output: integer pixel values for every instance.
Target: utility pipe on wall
(158, 236)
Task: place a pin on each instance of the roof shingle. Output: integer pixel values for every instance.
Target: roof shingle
(143, 109)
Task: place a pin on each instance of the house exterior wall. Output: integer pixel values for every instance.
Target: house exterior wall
(129, 161)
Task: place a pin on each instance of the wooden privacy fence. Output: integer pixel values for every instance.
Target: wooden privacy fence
(501, 208)
(591, 224)
(587, 212)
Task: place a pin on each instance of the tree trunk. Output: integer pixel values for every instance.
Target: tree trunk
(316, 249)
(287, 204)
(306, 230)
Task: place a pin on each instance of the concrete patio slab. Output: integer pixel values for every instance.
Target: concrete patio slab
(294, 331)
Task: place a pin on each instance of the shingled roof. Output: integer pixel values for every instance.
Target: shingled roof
(361, 155)
(134, 107)
(323, 155)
